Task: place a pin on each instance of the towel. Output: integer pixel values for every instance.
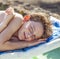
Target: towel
(55, 35)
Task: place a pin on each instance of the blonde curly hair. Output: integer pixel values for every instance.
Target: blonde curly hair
(45, 21)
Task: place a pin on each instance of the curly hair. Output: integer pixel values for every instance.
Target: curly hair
(46, 23)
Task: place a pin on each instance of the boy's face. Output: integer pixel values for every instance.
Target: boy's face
(31, 30)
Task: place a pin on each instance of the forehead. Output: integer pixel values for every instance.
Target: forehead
(33, 23)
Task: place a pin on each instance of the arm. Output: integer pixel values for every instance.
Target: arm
(13, 26)
(6, 18)
(18, 45)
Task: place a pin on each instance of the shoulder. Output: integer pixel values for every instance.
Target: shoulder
(2, 12)
(18, 15)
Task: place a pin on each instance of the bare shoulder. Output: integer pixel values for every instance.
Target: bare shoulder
(2, 12)
(17, 15)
